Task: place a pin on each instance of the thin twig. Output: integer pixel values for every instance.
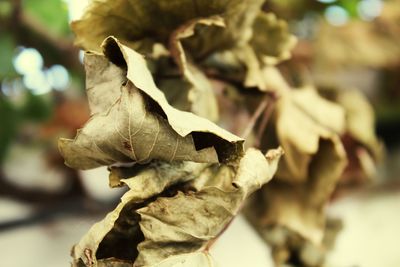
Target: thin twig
(250, 126)
(212, 241)
(264, 121)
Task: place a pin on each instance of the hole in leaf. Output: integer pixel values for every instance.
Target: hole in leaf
(114, 54)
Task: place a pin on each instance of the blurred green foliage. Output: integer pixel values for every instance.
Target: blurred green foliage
(7, 47)
(350, 6)
(36, 108)
(52, 13)
(9, 122)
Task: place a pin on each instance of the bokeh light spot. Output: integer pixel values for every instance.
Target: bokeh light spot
(57, 77)
(27, 61)
(336, 15)
(37, 82)
(326, 1)
(369, 9)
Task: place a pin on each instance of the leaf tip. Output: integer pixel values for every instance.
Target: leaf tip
(274, 154)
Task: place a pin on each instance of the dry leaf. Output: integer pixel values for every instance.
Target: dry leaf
(139, 24)
(201, 95)
(360, 120)
(192, 30)
(176, 90)
(363, 148)
(247, 57)
(270, 44)
(196, 259)
(301, 207)
(307, 127)
(291, 249)
(271, 40)
(303, 119)
(173, 210)
(136, 124)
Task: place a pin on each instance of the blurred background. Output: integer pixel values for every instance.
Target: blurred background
(46, 207)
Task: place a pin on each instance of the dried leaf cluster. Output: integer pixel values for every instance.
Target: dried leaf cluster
(161, 76)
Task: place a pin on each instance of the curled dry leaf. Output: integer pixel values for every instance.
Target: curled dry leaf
(360, 120)
(291, 249)
(134, 23)
(201, 95)
(303, 119)
(175, 209)
(192, 31)
(301, 207)
(195, 259)
(363, 148)
(271, 40)
(270, 44)
(133, 122)
(307, 127)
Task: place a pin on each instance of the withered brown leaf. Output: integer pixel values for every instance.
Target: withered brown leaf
(308, 128)
(135, 123)
(175, 209)
(134, 23)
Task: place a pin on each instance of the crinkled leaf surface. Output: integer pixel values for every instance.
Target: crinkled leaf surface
(290, 248)
(363, 148)
(270, 44)
(271, 39)
(303, 119)
(135, 123)
(177, 91)
(141, 23)
(307, 127)
(360, 120)
(300, 207)
(167, 212)
(196, 28)
(195, 259)
(201, 95)
(149, 182)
